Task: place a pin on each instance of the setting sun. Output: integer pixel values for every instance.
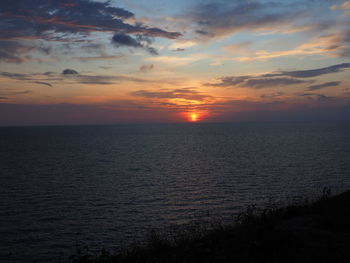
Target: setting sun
(194, 117)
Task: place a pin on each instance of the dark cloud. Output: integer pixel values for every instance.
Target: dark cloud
(63, 20)
(147, 68)
(3, 98)
(187, 93)
(271, 82)
(43, 83)
(70, 72)
(125, 40)
(121, 39)
(17, 76)
(318, 97)
(179, 50)
(106, 79)
(324, 85)
(312, 72)
(23, 18)
(255, 82)
(17, 52)
(202, 32)
(20, 92)
(230, 81)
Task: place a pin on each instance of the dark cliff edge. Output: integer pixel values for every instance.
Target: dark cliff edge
(316, 231)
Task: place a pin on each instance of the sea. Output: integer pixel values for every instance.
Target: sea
(64, 188)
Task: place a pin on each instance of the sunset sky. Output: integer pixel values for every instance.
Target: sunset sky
(127, 61)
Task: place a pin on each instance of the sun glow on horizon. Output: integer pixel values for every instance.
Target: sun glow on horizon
(194, 117)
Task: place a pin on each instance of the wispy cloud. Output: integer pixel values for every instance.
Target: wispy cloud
(324, 85)
(345, 5)
(185, 93)
(43, 83)
(311, 72)
(70, 76)
(216, 19)
(255, 82)
(238, 47)
(101, 57)
(17, 52)
(179, 60)
(271, 82)
(212, 19)
(318, 97)
(281, 78)
(146, 68)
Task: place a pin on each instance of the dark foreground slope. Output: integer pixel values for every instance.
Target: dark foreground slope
(316, 232)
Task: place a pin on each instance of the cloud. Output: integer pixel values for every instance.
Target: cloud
(281, 78)
(102, 57)
(255, 82)
(318, 97)
(146, 68)
(70, 72)
(107, 79)
(186, 93)
(17, 76)
(178, 60)
(121, 39)
(16, 52)
(19, 92)
(229, 81)
(324, 85)
(222, 18)
(43, 83)
(345, 5)
(34, 18)
(9, 92)
(271, 82)
(182, 44)
(49, 78)
(272, 95)
(99, 80)
(334, 44)
(238, 47)
(66, 20)
(311, 72)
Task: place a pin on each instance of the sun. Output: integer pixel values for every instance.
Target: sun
(194, 117)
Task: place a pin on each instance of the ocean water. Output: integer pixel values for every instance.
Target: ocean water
(63, 187)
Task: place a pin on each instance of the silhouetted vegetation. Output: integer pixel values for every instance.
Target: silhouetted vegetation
(307, 232)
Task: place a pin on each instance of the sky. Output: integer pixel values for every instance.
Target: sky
(164, 61)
